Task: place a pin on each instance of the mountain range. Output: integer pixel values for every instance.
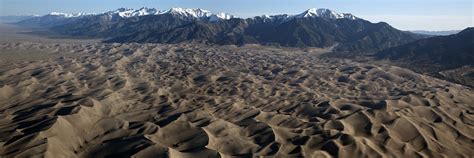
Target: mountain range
(311, 28)
(122, 14)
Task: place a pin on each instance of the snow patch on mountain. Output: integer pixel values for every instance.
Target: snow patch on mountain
(225, 16)
(273, 17)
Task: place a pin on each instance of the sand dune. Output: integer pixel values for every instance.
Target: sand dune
(192, 100)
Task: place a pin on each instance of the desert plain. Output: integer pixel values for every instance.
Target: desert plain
(83, 98)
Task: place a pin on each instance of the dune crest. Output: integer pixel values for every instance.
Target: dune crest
(193, 100)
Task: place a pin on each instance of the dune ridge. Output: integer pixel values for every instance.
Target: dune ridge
(194, 100)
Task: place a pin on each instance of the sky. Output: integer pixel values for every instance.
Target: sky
(433, 15)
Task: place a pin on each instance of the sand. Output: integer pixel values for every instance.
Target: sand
(194, 100)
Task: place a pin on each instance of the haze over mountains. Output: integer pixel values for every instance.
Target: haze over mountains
(311, 28)
(436, 33)
(15, 18)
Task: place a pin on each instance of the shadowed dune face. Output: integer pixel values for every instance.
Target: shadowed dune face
(191, 100)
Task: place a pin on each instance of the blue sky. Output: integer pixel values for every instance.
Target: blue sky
(402, 14)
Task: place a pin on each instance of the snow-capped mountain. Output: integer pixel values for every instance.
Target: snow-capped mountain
(184, 12)
(129, 12)
(324, 13)
(206, 15)
(197, 13)
(310, 13)
(68, 15)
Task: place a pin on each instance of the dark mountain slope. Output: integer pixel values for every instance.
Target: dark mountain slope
(447, 57)
(355, 36)
(302, 32)
(436, 53)
(221, 32)
(107, 27)
(376, 37)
